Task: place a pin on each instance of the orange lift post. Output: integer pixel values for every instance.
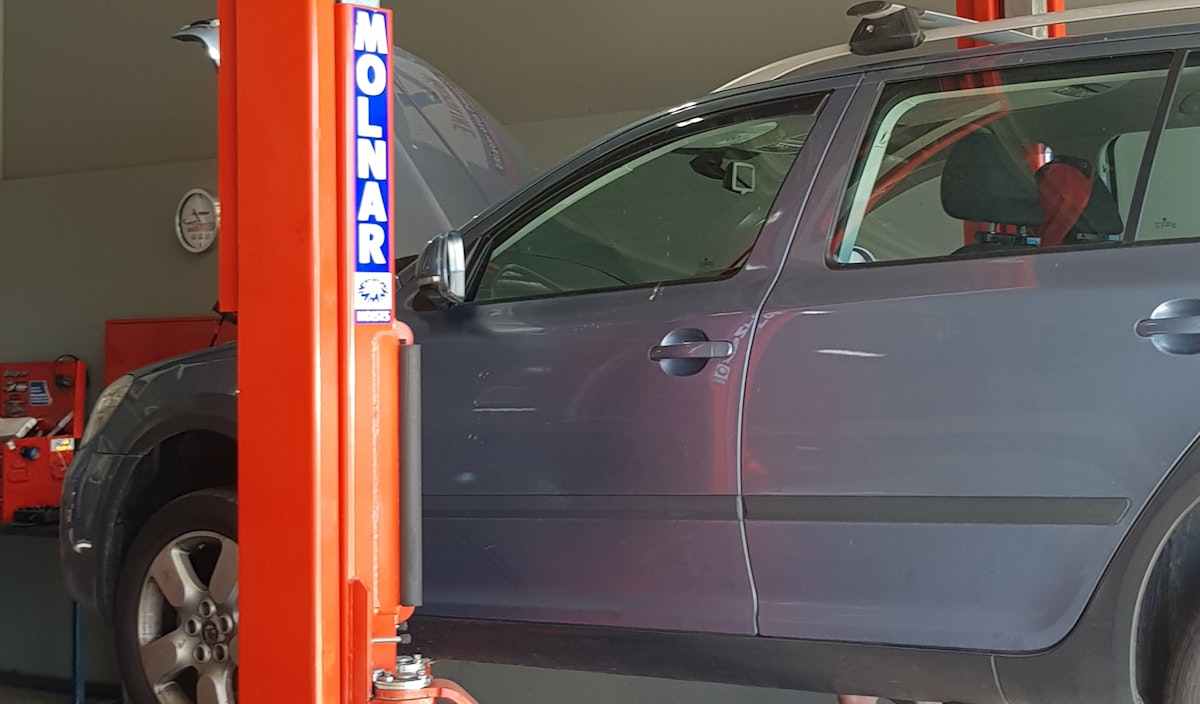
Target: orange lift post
(306, 171)
(985, 10)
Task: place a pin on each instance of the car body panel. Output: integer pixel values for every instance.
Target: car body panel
(976, 458)
(574, 480)
(196, 391)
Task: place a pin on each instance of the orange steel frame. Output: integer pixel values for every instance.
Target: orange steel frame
(985, 10)
(318, 393)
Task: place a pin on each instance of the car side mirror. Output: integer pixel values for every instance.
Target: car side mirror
(442, 270)
(206, 32)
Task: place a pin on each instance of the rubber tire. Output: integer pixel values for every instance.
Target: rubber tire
(210, 510)
(1183, 675)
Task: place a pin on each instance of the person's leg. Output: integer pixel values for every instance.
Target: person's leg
(856, 699)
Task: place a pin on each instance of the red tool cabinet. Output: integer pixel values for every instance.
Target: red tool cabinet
(51, 395)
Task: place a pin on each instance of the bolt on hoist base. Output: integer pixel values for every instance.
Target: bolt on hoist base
(412, 682)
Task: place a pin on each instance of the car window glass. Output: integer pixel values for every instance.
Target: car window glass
(1170, 209)
(1012, 160)
(686, 206)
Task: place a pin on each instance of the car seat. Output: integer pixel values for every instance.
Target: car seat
(985, 182)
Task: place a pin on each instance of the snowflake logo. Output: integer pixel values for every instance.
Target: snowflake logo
(372, 290)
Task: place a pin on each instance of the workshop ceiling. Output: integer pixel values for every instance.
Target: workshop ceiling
(100, 85)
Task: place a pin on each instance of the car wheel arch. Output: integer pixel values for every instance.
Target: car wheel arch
(165, 462)
(1111, 653)
(1169, 594)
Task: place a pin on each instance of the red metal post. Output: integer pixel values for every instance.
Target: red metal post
(984, 10)
(282, 65)
(227, 165)
(370, 340)
(306, 159)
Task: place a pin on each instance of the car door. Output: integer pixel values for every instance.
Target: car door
(956, 405)
(580, 410)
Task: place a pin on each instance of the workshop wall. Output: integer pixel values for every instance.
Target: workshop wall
(107, 121)
(82, 248)
(550, 141)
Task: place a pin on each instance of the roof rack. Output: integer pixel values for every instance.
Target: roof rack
(886, 27)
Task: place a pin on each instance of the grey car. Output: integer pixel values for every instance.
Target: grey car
(884, 380)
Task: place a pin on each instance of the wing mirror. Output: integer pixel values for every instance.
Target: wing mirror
(442, 270)
(206, 32)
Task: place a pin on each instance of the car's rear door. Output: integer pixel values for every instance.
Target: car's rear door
(580, 437)
(954, 412)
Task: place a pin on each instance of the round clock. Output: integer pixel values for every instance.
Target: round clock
(197, 220)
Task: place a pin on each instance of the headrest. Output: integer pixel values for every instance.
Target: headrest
(983, 181)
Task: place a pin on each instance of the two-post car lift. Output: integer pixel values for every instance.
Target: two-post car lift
(305, 175)
(324, 369)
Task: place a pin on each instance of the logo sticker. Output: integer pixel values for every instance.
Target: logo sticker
(62, 444)
(39, 394)
(371, 101)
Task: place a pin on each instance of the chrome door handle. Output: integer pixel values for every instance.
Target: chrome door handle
(1173, 327)
(1186, 325)
(706, 349)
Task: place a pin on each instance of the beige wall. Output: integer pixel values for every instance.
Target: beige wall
(82, 248)
(106, 122)
(550, 141)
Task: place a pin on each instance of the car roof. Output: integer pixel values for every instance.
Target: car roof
(915, 57)
(895, 60)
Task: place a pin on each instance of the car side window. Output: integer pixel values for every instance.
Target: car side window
(1170, 208)
(999, 162)
(686, 205)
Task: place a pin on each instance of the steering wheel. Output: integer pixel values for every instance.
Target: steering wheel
(518, 276)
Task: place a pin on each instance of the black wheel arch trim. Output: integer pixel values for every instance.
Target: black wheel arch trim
(1110, 622)
(126, 480)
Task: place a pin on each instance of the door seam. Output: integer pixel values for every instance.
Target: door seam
(752, 335)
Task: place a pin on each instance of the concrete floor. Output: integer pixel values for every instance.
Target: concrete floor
(497, 684)
(12, 695)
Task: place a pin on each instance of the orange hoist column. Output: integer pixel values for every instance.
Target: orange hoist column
(306, 156)
(283, 115)
(986, 10)
(379, 363)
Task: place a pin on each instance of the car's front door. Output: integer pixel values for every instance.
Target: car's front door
(953, 414)
(580, 461)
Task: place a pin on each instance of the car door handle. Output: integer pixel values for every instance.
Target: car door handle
(705, 349)
(1187, 325)
(1173, 327)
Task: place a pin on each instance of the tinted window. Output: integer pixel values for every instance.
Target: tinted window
(1171, 208)
(1004, 161)
(686, 206)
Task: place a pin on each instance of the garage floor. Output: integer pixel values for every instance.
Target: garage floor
(11, 695)
(492, 684)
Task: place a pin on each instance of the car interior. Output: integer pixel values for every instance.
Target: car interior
(1008, 161)
(690, 210)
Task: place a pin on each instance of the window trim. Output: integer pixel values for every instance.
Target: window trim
(1133, 225)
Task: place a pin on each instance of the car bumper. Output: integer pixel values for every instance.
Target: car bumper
(82, 555)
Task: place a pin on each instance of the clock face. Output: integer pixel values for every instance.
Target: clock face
(197, 220)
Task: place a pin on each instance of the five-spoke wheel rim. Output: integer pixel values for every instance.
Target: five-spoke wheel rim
(187, 620)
